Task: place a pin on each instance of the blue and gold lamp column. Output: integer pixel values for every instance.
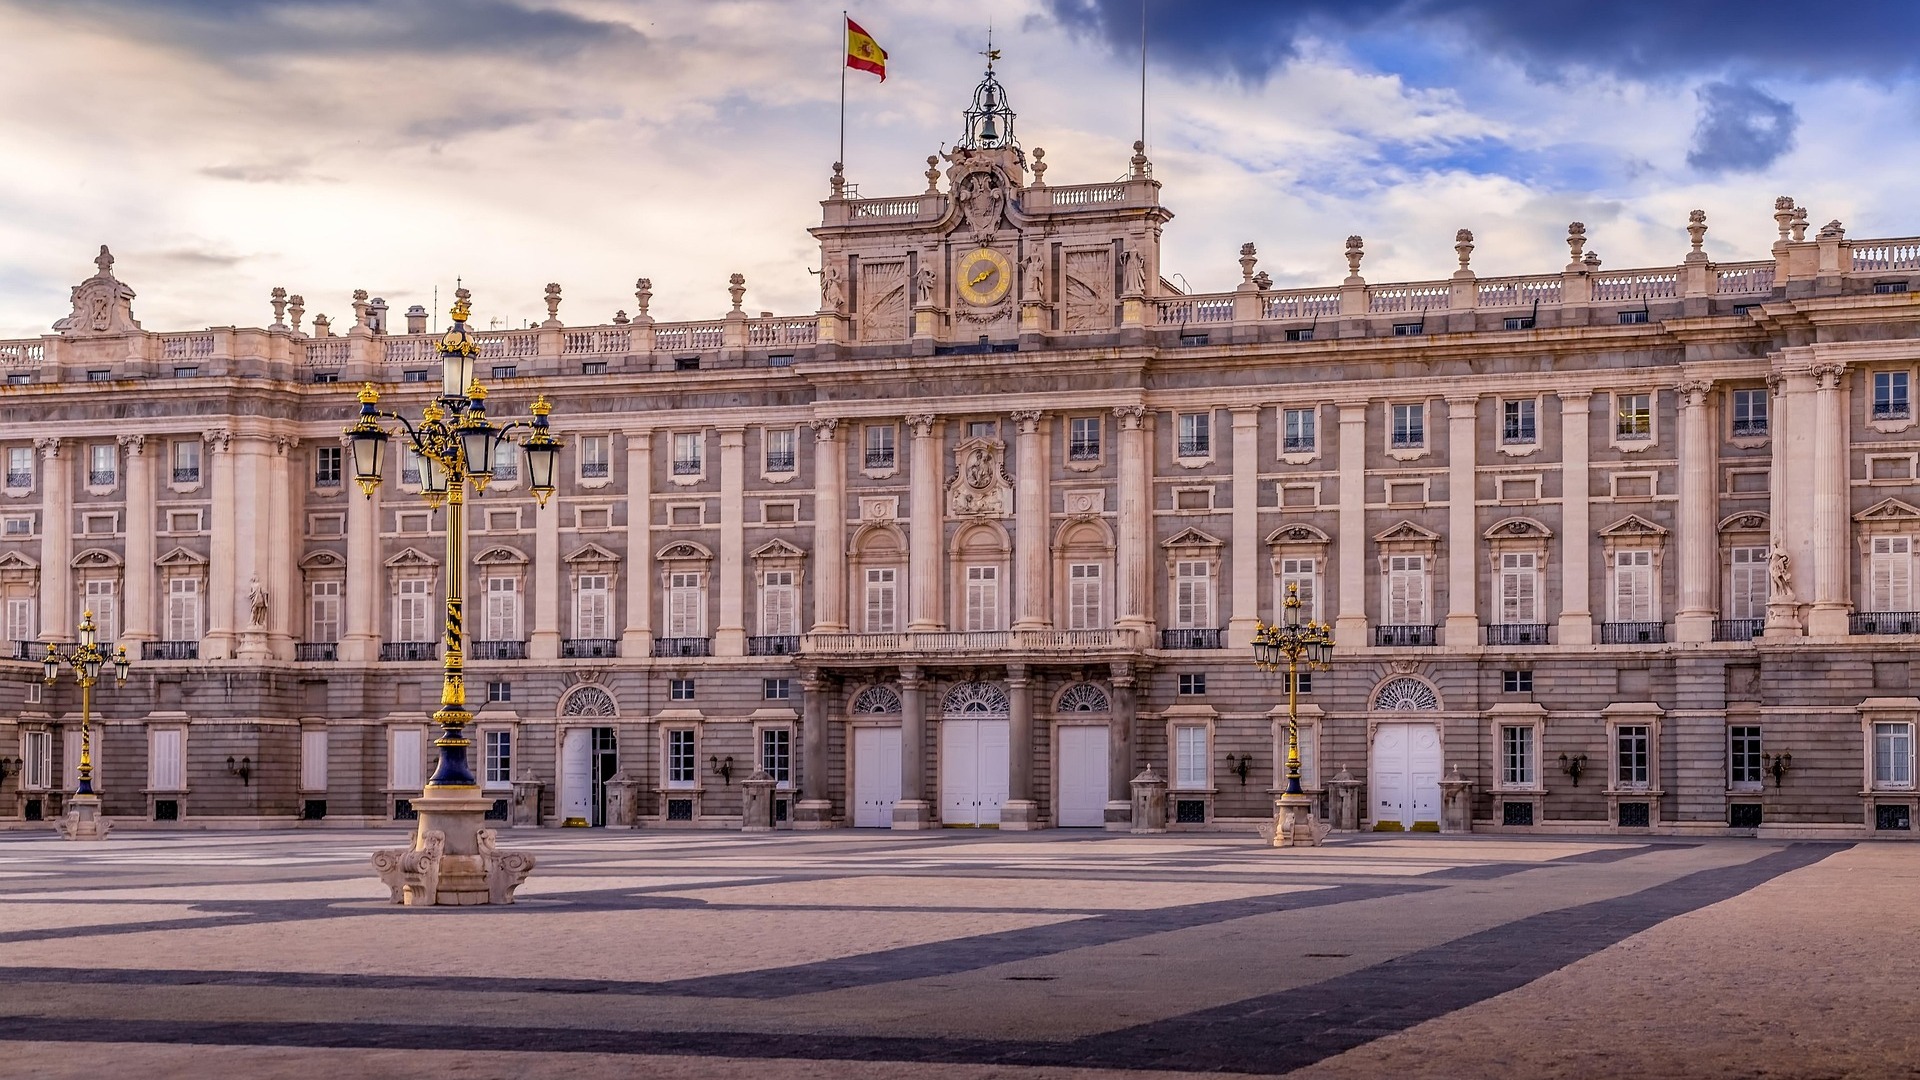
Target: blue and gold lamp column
(82, 821)
(1295, 643)
(453, 860)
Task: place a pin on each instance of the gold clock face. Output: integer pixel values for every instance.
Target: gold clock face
(985, 277)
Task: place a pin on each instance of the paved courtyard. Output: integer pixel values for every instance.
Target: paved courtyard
(964, 955)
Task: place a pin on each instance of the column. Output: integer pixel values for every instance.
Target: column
(1699, 570)
(1350, 626)
(544, 642)
(1830, 606)
(137, 622)
(1019, 811)
(912, 811)
(1132, 580)
(815, 809)
(636, 639)
(252, 462)
(1245, 576)
(923, 527)
(223, 593)
(829, 528)
(1576, 530)
(1463, 534)
(56, 543)
(1032, 524)
(730, 637)
(1120, 750)
(286, 480)
(366, 577)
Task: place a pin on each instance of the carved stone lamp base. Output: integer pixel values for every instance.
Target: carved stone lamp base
(453, 861)
(82, 821)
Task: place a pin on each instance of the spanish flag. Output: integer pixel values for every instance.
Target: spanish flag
(864, 53)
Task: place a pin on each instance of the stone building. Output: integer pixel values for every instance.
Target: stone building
(989, 533)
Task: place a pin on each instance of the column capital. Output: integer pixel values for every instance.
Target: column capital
(1130, 416)
(134, 445)
(824, 427)
(921, 424)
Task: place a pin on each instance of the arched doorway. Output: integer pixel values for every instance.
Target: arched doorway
(974, 741)
(875, 713)
(1403, 771)
(589, 755)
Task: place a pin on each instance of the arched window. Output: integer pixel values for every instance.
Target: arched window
(1083, 697)
(1404, 695)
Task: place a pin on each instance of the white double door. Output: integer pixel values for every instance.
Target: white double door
(876, 776)
(1405, 775)
(1083, 777)
(973, 771)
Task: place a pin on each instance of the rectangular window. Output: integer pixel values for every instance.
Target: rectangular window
(501, 617)
(776, 754)
(880, 600)
(38, 766)
(103, 465)
(593, 609)
(1196, 435)
(594, 456)
(879, 446)
(1893, 756)
(1193, 685)
(983, 598)
(779, 604)
(1749, 413)
(101, 597)
(20, 466)
(1890, 401)
(324, 613)
(499, 758)
(1890, 574)
(20, 622)
(686, 605)
(1633, 586)
(1190, 756)
(1297, 433)
(1516, 756)
(1086, 608)
(687, 449)
(679, 689)
(1516, 682)
(1193, 595)
(680, 769)
(326, 467)
(780, 444)
(1634, 419)
(1406, 590)
(1631, 756)
(1410, 426)
(499, 691)
(183, 609)
(1743, 758)
(1517, 423)
(1519, 588)
(776, 689)
(413, 611)
(1747, 598)
(1083, 438)
(1301, 575)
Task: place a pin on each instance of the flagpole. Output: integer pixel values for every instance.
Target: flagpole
(842, 159)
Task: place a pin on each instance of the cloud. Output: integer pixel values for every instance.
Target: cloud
(1741, 129)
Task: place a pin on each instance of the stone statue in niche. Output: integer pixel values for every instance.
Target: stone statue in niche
(102, 304)
(980, 486)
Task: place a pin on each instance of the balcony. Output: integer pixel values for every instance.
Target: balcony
(972, 643)
(1633, 633)
(1189, 639)
(1517, 634)
(1390, 636)
(682, 646)
(170, 650)
(498, 650)
(1737, 629)
(311, 651)
(1884, 622)
(773, 645)
(409, 650)
(589, 648)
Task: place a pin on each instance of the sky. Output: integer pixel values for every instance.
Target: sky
(225, 147)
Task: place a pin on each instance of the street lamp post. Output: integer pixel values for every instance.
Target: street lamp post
(82, 820)
(453, 860)
(1295, 642)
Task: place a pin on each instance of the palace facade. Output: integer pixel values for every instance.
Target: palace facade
(989, 533)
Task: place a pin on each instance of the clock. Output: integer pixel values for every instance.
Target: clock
(985, 277)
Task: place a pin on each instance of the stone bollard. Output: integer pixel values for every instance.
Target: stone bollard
(623, 801)
(756, 802)
(1149, 802)
(526, 800)
(1456, 802)
(1344, 799)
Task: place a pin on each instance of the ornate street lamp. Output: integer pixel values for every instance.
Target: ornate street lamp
(455, 442)
(1294, 643)
(82, 821)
